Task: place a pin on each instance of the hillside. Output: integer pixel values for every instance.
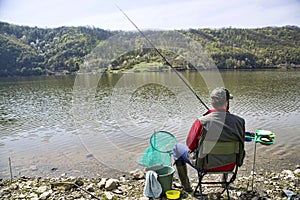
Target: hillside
(45, 51)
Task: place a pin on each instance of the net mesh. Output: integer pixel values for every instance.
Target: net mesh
(151, 157)
(163, 141)
(159, 153)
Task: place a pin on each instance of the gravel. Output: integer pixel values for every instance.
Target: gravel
(266, 186)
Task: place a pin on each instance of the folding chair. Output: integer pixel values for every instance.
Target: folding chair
(212, 151)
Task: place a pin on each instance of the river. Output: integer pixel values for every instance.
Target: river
(86, 126)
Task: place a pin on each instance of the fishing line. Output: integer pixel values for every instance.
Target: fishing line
(163, 57)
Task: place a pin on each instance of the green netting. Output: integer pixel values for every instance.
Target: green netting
(159, 153)
(151, 157)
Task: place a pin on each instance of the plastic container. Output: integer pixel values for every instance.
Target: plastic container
(165, 176)
(173, 194)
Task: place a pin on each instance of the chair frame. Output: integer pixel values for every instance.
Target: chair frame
(202, 173)
(209, 148)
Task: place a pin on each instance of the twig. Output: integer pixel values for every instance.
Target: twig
(10, 170)
(72, 183)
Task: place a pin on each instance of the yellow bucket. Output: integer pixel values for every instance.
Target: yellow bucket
(173, 194)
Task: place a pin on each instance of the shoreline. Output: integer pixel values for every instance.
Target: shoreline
(267, 185)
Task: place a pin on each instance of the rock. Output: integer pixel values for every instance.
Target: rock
(275, 178)
(144, 198)
(116, 191)
(177, 185)
(32, 196)
(137, 174)
(42, 189)
(297, 171)
(45, 195)
(111, 184)
(122, 179)
(90, 188)
(108, 195)
(288, 172)
(22, 196)
(101, 184)
(62, 186)
(79, 182)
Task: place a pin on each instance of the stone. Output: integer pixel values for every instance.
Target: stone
(108, 195)
(177, 185)
(45, 195)
(111, 184)
(42, 189)
(137, 174)
(22, 196)
(122, 179)
(79, 182)
(62, 186)
(123, 187)
(275, 178)
(297, 171)
(90, 188)
(116, 191)
(288, 172)
(102, 182)
(32, 196)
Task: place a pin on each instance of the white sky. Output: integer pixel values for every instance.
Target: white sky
(151, 14)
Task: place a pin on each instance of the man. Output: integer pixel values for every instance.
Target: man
(216, 124)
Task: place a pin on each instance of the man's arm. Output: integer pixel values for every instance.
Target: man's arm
(194, 135)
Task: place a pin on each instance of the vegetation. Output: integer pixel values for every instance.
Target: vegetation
(44, 51)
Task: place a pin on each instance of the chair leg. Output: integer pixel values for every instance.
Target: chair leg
(227, 192)
(200, 177)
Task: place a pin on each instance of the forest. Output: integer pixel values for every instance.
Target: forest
(33, 51)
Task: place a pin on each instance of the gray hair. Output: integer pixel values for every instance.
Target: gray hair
(218, 97)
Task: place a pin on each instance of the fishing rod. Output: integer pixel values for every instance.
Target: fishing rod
(163, 57)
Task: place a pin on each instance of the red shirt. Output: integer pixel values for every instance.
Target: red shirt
(196, 131)
(194, 136)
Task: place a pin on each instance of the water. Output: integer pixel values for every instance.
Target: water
(85, 126)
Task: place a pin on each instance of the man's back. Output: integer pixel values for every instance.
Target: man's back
(220, 126)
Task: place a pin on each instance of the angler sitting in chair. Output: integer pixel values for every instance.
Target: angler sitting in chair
(217, 131)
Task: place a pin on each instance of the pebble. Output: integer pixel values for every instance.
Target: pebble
(266, 186)
(111, 184)
(137, 174)
(101, 184)
(297, 171)
(42, 189)
(108, 195)
(45, 195)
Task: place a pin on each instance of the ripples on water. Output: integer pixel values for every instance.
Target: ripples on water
(45, 123)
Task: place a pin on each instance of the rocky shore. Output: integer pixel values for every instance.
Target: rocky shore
(267, 185)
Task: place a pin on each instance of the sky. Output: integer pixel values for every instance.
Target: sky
(151, 14)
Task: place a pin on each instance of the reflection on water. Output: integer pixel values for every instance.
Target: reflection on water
(45, 124)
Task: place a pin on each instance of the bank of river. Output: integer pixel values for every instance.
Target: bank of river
(267, 185)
